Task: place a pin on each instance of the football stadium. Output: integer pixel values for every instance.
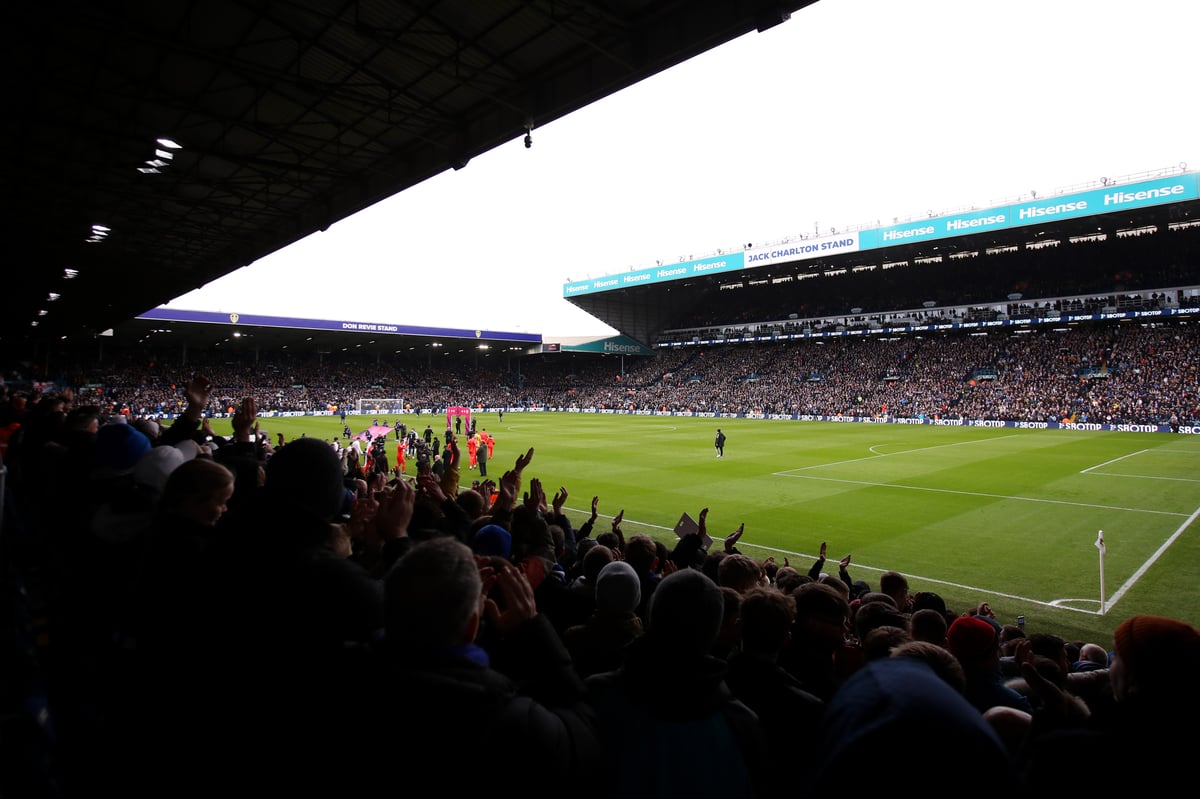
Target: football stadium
(934, 473)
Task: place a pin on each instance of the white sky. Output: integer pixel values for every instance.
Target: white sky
(852, 111)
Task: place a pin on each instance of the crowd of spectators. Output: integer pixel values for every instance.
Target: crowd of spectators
(1116, 373)
(210, 620)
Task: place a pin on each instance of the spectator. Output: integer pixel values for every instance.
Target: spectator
(976, 643)
(668, 702)
(899, 699)
(789, 714)
(598, 645)
(435, 683)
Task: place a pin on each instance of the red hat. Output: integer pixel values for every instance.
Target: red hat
(971, 638)
(1154, 647)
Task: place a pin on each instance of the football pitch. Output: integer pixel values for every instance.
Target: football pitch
(1001, 515)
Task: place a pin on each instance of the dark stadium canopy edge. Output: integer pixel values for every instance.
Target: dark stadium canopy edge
(154, 147)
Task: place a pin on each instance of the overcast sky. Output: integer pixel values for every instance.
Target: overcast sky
(852, 111)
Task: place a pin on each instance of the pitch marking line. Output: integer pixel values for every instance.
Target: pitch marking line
(787, 472)
(1091, 469)
(1158, 553)
(979, 494)
(1056, 603)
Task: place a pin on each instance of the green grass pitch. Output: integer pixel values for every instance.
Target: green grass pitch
(1000, 515)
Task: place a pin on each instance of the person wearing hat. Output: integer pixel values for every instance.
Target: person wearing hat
(667, 721)
(975, 641)
(1155, 676)
(892, 712)
(719, 443)
(598, 645)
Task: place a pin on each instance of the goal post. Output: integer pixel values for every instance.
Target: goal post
(379, 405)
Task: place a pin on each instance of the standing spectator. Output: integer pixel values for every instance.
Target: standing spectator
(598, 645)
(976, 643)
(668, 703)
(899, 699)
(1155, 663)
(790, 715)
(436, 682)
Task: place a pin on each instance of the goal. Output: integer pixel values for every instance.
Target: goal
(381, 405)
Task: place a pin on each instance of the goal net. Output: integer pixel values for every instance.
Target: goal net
(381, 405)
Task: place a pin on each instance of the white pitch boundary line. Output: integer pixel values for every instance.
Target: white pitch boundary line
(978, 494)
(1054, 603)
(1145, 567)
(1092, 469)
(1114, 460)
(891, 454)
(1147, 477)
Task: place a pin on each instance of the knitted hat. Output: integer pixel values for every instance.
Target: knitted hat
(189, 448)
(119, 446)
(492, 539)
(1153, 648)
(971, 637)
(901, 698)
(618, 588)
(153, 468)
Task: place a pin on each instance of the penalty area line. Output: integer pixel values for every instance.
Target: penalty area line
(977, 494)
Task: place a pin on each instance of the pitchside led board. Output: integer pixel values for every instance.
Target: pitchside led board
(1176, 188)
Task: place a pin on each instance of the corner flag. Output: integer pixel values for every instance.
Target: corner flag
(1100, 543)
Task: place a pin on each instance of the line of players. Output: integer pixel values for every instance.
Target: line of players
(425, 448)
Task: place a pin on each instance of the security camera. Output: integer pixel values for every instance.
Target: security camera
(528, 141)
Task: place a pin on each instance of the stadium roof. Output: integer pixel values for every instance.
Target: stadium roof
(155, 147)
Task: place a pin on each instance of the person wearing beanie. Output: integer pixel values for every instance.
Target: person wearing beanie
(876, 717)
(975, 641)
(155, 466)
(118, 448)
(492, 540)
(618, 588)
(1155, 677)
(598, 645)
(667, 708)
(1154, 657)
